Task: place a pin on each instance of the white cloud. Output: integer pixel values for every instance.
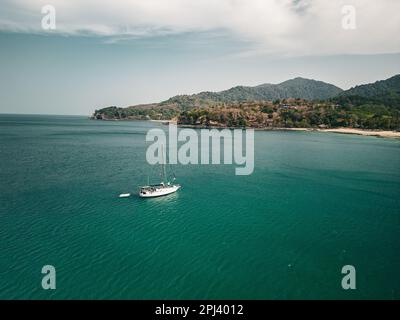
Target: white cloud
(290, 27)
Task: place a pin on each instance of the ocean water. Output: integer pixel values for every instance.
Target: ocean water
(315, 202)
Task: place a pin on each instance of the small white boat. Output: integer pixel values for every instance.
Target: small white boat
(125, 195)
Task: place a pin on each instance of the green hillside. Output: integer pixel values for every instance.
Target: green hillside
(296, 88)
(294, 103)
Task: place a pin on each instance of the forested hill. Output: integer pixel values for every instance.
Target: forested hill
(296, 88)
(389, 86)
(384, 92)
(294, 103)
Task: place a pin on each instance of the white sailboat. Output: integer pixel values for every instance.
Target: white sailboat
(162, 189)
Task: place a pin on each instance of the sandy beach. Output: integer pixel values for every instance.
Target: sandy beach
(361, 132)
(375, 133)
(165, 121)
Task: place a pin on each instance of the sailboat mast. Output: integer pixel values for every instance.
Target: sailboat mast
(163, 172)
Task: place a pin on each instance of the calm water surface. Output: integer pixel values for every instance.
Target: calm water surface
(316, 202)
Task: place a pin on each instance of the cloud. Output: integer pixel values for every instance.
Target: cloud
(289, 27)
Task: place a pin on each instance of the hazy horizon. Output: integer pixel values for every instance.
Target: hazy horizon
(70, 114)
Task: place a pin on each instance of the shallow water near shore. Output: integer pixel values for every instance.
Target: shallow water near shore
(315, 202)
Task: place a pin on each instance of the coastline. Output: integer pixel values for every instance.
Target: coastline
(371, 133)
(164, 121)
(360, 132)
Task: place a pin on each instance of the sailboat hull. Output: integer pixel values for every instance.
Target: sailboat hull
(158, 191)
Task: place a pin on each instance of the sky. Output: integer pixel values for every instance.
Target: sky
(122, 53)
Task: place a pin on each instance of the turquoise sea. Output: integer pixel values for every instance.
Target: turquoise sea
(315, 202)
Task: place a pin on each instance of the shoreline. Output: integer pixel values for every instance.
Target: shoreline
(360, 132)
(163, 121)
